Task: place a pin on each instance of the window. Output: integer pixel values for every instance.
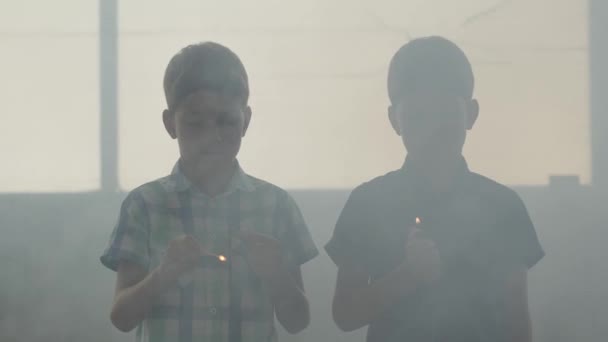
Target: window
(317, 72)
(49, 135)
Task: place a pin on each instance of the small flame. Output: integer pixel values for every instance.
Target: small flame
(221, 258)
(418, 220)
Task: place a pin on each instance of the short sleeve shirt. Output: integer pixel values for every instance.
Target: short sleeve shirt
(207, 304)
(482, 231)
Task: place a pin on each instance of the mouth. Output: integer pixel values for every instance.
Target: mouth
(212, 152)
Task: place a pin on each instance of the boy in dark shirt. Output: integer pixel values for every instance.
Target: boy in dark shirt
(432, 251)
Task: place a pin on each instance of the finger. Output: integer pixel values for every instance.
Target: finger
(176, 241)
(191, 240)
(190, 256)
(428, 244)
(204, 252)
(182, 244)
(192, 250)
(192, 263)
(180, 238)
(412, 234)
(237, 245)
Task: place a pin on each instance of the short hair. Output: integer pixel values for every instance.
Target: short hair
(430, 63)
(206, 65)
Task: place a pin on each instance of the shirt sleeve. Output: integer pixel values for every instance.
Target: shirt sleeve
(348, 242)
(129, 239)
(299, 246)
(520, 241)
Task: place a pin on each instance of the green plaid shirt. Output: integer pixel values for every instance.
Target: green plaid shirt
(217, 302)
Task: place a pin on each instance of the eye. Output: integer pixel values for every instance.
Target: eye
(195, 123)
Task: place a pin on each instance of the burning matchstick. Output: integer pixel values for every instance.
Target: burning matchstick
(219, 257)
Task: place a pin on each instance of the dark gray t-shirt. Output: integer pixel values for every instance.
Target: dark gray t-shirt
(482, 231)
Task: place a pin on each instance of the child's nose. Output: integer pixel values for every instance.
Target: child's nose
(212, 134)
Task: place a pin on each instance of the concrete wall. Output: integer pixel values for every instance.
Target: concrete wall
(53, 288)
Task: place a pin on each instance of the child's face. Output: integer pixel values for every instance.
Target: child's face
(432, 124)
(209, 127)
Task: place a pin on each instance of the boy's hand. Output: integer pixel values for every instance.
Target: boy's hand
(422, 257)
(264, 254)
(183, 255)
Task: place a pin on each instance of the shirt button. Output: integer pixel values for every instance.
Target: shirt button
(213, 311)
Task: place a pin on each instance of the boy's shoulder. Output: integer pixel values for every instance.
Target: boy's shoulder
(379, 186)
(386, 180)
(493, 190)
(154, 191)
(264, 185)
(161, 188)
(263, 188)
(390, 182)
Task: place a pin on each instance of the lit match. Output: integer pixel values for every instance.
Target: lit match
(219, 257)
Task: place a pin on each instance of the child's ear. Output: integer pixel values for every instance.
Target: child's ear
(392, 116)
(169, 121)
(247, 113)
(472, 113)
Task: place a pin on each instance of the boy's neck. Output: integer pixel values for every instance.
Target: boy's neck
(213, 180)
(439, 174)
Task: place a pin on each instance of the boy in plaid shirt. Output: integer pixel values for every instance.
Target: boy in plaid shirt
(208, 253)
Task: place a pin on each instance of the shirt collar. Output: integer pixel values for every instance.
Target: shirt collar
(178, 182)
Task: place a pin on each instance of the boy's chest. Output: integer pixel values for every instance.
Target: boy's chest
(215, 223)
(462, 228)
